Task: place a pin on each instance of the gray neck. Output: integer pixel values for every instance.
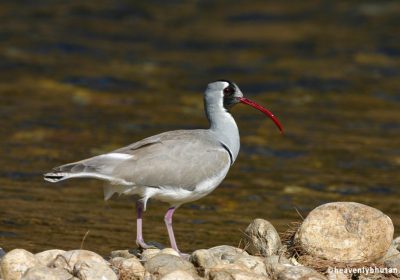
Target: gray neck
(223, 126)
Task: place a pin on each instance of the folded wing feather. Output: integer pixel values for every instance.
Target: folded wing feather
(176, 159)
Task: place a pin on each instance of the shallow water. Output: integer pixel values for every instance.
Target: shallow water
(79, 79)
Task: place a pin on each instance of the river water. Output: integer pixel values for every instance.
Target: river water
(80, 78)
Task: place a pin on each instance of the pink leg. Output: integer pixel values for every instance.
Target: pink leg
(139, 234)
(168, 223)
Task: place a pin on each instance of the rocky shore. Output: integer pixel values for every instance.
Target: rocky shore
(340, 240)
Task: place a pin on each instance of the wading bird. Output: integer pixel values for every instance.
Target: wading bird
(176, 166)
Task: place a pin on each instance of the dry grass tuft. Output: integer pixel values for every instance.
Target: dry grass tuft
(287, 238)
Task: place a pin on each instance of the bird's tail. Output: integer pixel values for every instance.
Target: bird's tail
(74, 170)
(99, 167)
(60, 173)
(55, 177)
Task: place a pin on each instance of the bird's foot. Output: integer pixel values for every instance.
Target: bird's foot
(143, 245)
(184, 256)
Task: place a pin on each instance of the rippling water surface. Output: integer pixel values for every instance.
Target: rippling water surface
(79, 78)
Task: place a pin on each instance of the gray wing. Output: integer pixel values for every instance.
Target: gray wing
(176, 159)
(181, 158)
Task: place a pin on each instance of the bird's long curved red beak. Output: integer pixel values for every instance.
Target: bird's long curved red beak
(262, 109)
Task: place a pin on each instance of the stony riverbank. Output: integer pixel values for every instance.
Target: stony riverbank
(341, 240)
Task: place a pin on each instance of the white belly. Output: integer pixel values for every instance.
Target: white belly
(177, 196)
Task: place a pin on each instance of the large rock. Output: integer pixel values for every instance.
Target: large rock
(162, 264)
(46, 273)
(69, 259)
(93, 270)
(85, 264)
(262, 238)
(16, 262)
(47, 257)
(346, 232)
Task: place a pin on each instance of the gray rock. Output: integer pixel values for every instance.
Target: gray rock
(299, 273)
(69, 259)
(47, 257)
(204, 260)
(177, 275)
(227, 253)
(226, 257)
(45, 273)
(16, 262)
(262, 238)
(346, 232)
(163, 264)
(129, 268)
(93, 270)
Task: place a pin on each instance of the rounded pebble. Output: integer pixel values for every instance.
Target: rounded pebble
(262, 238)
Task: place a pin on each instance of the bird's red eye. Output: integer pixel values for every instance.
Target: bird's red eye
(229, 90)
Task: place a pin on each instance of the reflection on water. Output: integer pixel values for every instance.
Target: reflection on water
(79, 79)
